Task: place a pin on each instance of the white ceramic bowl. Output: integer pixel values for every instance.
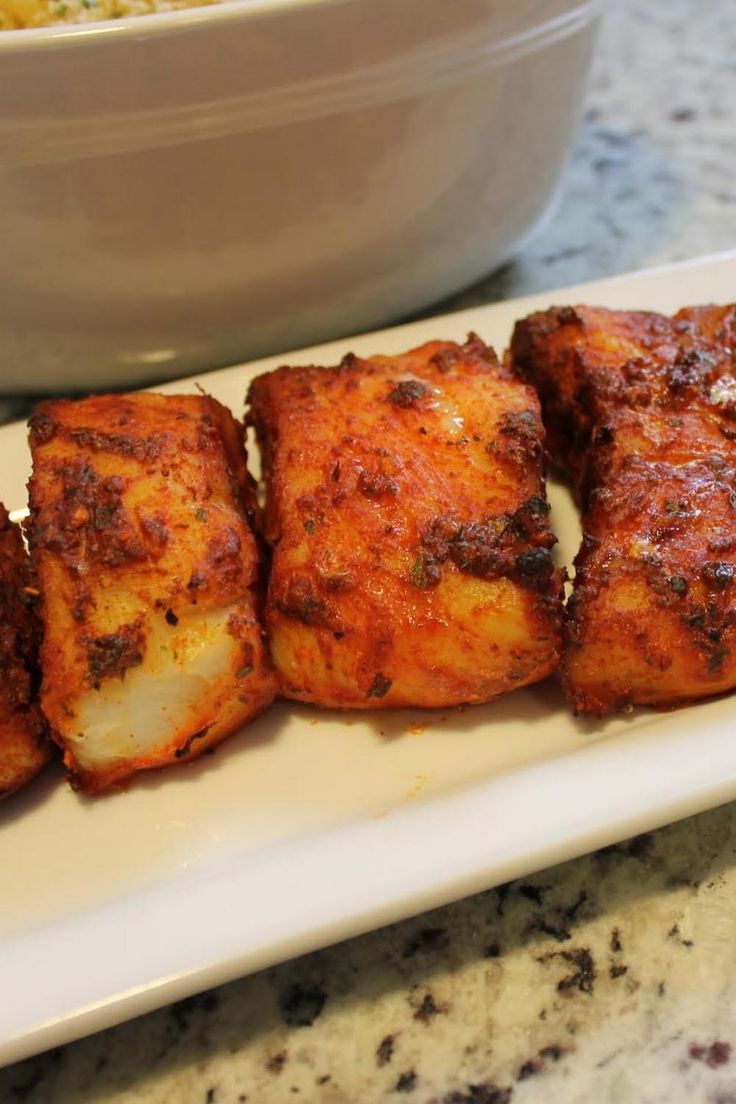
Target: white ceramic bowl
(180, 191)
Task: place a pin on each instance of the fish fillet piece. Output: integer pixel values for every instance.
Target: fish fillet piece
(149, 570)
(641, 413)
(407, 517)
(24, 746)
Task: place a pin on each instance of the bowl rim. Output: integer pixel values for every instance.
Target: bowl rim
(159, 24)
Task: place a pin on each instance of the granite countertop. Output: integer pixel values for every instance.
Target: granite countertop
(610, 979)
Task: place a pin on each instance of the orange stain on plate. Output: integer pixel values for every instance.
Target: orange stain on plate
(420, 781)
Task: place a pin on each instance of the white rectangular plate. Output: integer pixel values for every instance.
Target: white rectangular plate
(309, 826)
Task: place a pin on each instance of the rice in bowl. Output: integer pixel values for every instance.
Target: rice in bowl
(18, 14)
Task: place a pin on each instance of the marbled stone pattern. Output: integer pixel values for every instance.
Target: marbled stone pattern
(610, 979)
(607, 980)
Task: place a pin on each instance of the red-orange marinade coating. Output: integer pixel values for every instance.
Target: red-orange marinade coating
(641, 413)
(24, 746)
(411, 546)
(153, 651)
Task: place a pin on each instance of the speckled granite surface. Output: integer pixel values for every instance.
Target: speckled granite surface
(611, 979)
(608, 980)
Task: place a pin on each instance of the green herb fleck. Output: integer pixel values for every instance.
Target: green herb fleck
(200, 513)
(310, 525)
(425, 572)
(244, 671)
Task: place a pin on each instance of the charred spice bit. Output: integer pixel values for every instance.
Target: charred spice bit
(155, 530)
(42, 428)
(717, 574)
(112, 654)
(604, 435)
(489, 549)
(445, 359)
(521, 437)
(535, 566)
(568, 316)
(408, 393)
(717, 658)
(142, 449)
(186, 747)
(379, 687)
(171, 618)
(376, 484)
(89, 514)
(339, 581)
(476, 346)
(300, 603)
